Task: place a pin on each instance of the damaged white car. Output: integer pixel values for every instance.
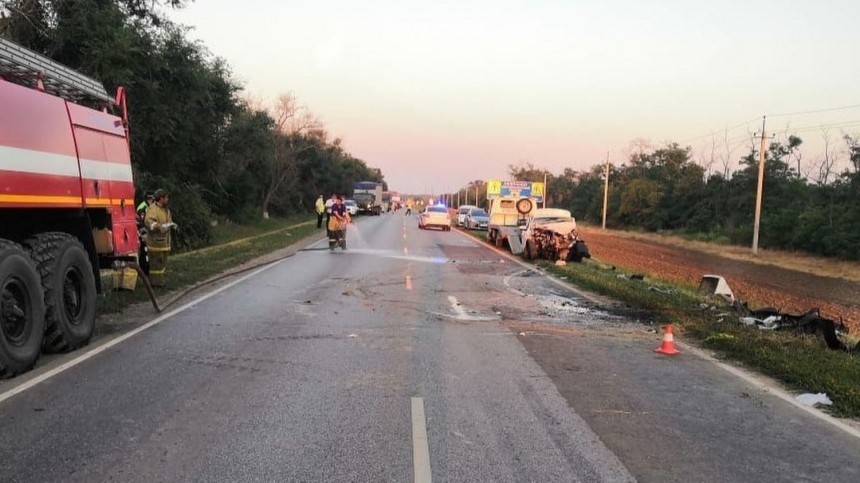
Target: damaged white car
(550, 234)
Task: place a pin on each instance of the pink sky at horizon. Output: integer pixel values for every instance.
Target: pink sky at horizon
(439, 94)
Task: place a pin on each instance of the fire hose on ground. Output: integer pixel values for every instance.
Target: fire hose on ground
(154, 298)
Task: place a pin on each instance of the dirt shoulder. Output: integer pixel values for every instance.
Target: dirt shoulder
(785, 281)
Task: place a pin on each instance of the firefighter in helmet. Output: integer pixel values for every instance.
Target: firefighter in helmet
(159, 224)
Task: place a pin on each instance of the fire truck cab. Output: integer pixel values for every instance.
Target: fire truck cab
(66, 203)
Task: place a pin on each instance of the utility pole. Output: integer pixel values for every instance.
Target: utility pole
(545, 190)
(606, 190)
(761, 159)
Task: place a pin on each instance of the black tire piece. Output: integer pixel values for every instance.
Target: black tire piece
(22, 310)
(69, 287)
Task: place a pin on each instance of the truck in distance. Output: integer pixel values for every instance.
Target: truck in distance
(368, 197)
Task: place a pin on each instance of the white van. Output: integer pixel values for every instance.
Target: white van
(462, 212)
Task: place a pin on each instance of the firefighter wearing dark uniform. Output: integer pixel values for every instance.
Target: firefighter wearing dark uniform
(158, 224)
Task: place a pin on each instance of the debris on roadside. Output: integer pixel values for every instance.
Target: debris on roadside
(810, 399)
(768, 318)
(716, 285)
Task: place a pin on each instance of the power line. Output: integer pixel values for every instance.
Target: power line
(826, 126)
(815, 111)
(729, 128)
(784, 114)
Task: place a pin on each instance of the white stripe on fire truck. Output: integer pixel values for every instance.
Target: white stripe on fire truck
(103, 170)
(40, 162)
(37, 162)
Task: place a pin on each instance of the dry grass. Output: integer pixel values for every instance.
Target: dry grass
(825, 267)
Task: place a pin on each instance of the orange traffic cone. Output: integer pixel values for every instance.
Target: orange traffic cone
(668, 345)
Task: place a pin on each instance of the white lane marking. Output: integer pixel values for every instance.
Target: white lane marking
(420, 448)
(98, 350)
(776, 391)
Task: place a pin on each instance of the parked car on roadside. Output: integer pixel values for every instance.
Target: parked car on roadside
(437, 216)
(476, 219)
(462, 211)
(351, 207)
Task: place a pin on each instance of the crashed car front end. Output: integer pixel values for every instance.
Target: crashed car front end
(557, 241)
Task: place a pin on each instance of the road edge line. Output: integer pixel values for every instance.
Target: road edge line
(750, 378)
(118, 340)
(737, 372)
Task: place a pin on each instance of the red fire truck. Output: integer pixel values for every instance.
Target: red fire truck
(66, 203)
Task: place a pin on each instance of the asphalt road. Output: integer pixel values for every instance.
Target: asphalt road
(405, 357)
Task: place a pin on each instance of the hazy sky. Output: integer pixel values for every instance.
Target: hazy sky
(438, 93)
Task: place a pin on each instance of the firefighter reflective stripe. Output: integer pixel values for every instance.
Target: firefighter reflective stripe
(158, 249)
(157, 267)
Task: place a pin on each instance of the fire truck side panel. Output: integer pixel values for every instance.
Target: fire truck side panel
(38, 162)
(122, 195)
(70, 163)
(94, 168)
(106, 173)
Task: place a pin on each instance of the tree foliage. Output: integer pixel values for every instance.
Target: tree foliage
(191, 133)
(663, 189)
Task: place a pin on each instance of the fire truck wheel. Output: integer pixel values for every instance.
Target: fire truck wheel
(22, 311)
(70, 290)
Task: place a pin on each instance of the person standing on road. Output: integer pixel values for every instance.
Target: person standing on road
(159, 223)
(337, 225)
(328, 205)
(320, 209)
